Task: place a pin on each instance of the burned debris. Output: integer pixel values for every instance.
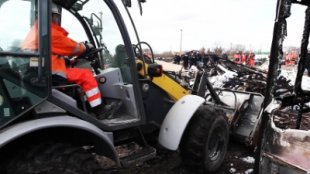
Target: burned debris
(227, 74)
(282, 136)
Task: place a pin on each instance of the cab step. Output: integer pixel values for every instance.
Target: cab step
(146, 153)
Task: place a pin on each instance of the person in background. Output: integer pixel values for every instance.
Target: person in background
(177, 59)
(251, 59)
(185, 61)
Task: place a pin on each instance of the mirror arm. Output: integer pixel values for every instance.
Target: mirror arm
(99, 19)
(140, 6)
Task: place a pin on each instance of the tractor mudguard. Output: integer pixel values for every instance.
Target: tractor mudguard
(177, 119)
(103, 139)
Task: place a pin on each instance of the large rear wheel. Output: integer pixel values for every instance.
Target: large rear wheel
(51, 158)
(204, 144)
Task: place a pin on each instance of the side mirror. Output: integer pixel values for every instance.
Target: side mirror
(127, 3)
(97, 30)
(155, 70)
(98, 27)
(90, 21)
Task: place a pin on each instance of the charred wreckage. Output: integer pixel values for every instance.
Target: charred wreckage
(264, 108)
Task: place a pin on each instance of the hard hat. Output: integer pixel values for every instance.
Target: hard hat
(56, 8)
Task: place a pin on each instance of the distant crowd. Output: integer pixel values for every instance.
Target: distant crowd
(196, 58)
(245, 58)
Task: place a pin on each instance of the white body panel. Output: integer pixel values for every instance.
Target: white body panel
(177, 119)
(19, 130)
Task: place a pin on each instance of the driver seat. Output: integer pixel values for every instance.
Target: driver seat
(248, 115)
(71, 89)
(120, 62)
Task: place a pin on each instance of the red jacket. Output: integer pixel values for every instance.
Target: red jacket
(61, 45)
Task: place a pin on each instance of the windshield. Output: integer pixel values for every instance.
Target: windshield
(101, 19)
(106, 31)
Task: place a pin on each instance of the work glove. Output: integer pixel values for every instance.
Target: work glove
(70, 62)
(88, 46)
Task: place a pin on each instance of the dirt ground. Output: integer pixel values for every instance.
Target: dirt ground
(239, 160)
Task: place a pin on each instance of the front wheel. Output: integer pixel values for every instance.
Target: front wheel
(204, 144)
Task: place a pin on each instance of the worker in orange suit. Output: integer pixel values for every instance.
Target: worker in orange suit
(237, 58)
(244, 58)
(62, 45)
(252, 59)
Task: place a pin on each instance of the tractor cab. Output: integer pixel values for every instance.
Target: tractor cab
(41, 110)
(27, 86)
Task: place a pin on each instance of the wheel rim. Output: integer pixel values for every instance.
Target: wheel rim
(216, 144)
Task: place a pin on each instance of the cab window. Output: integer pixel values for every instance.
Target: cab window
(20, 85)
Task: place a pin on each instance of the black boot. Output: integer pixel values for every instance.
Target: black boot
(107, 111)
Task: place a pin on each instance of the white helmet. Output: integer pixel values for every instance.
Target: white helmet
(56, 8)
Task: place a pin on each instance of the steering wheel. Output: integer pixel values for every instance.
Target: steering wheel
(90, 55)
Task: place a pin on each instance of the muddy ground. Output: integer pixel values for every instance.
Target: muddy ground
(239, 160)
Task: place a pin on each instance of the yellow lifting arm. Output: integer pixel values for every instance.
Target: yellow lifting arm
(170, 86)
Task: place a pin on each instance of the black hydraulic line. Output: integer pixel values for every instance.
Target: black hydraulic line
(137, 36)
(200, 84)
(205, 82)
(197, 82)
(151, 50)
(279, 34)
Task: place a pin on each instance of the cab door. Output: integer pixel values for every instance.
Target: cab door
(101, 23)
(23, 73)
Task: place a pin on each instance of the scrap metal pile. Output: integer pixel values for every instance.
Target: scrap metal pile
(230, 75)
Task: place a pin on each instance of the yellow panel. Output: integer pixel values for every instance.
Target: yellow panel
(171, 87)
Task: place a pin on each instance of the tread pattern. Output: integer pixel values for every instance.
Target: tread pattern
(196, 138)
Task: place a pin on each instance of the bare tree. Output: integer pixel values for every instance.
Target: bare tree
(237, 48)
(218, 50)
(167, 55)
(290, 49)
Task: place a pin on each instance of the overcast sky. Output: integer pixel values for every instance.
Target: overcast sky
(211, 23)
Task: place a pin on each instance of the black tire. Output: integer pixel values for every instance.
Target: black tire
(51, 158)
(204, 143)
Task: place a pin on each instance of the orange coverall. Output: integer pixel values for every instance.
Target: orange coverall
(64, 46)
(252, 60)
